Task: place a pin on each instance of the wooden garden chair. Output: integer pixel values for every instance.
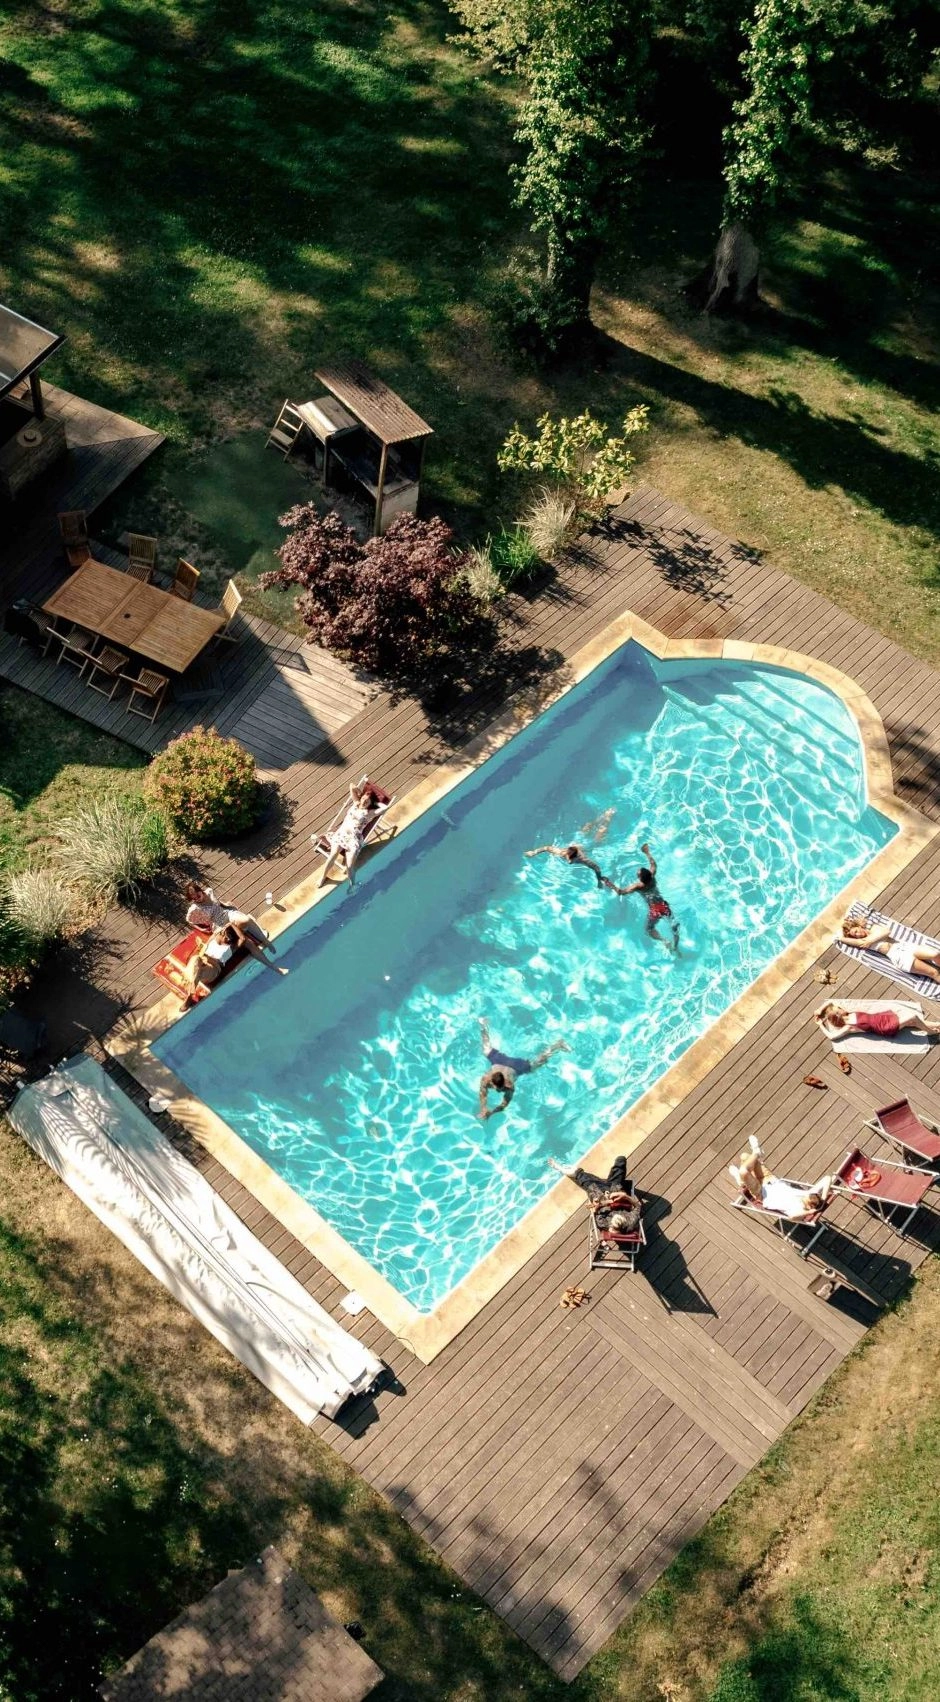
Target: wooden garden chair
(109, 663)
(185, 580)
(229, 607)
(79, 649)
(151, 688)
(73, 525)
(141, 554)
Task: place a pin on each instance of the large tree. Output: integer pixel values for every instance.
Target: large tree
(584, 66)
(812, 70)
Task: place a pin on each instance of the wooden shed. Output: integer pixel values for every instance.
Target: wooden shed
(367, 437)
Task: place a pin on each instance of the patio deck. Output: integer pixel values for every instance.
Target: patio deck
(559, 1460)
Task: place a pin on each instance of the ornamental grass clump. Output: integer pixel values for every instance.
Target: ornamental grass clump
(397, 605)
(39, 905)
(548, 522)
(206, 786)
(481, 576)
(110, 847)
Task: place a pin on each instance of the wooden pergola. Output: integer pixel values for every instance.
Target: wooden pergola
(24, 346)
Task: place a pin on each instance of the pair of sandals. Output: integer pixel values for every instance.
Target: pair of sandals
(572, 1298)
(845, 1065)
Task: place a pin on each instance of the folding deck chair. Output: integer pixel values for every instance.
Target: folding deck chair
(378, 829)
(613, 1250)
(786, 1226)
(884, 1186)
(918, 1140)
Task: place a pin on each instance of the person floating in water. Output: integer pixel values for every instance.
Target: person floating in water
(657, 909)
(502, 1077)
(574, 855)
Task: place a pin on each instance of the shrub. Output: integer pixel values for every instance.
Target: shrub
(576, 454)
(548, 522)
(39, 905)
(393, 604)
(512, 554)
(206, 786)
(481, 576)
(111, 846)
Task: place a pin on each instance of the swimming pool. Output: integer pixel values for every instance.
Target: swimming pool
(356, 1078)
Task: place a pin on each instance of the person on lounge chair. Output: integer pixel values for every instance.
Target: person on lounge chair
(363, 811)
(502, 1077)
(906, 955)
(839, 1021)
(784, 1199)
(213, 954)
(209, 913)
(613, 1202)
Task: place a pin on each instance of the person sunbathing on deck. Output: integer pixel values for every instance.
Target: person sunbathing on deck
(906, 955)
(575, 857)
(214, 953)
(784, 1199)
(502, 1077)
(209, 913)
(613, 1202)
(838, 1022)
(363, 811)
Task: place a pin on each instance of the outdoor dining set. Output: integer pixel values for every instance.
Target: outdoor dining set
(120, 630)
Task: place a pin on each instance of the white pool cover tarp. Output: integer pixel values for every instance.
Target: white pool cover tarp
(144, 1190)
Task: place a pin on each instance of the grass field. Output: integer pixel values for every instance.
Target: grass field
(208, 200)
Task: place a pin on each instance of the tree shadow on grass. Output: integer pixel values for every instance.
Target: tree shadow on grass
(800, 1656)
(118, 1513)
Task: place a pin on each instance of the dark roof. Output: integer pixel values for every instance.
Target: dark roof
(23, 346)
(373, 402)
(259, 1636)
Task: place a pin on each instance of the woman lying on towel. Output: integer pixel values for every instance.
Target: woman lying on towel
(838, 1022)
(784, 1199)
(905, 955)
(213, 954)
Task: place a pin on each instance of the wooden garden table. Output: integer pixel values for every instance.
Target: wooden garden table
(138, 617)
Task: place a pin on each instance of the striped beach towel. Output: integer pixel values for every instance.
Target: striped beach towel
(919, 984)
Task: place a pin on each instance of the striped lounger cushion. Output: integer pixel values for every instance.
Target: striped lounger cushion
(918, 984)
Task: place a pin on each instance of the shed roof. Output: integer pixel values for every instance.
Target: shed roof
(259, 1636)
(24, 345)
(373, 402)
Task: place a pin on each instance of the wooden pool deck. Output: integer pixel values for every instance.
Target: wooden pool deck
(559, 1460)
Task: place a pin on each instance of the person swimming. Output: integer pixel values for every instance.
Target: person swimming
(657, 907)
(576, 858)
(501, 1078)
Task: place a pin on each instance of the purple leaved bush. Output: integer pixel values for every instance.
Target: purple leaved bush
(394, 605)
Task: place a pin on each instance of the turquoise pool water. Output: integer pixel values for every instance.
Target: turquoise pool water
(356, 1077)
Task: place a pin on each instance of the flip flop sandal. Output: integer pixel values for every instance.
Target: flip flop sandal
(845, 1064)
(814, 1081)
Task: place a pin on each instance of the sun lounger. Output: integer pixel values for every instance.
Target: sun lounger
(892, 1191)
(378, 828)
(171, 970)
(919, 984)
(918, 1141)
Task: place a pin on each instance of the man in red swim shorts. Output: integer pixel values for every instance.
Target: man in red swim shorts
(657, 909)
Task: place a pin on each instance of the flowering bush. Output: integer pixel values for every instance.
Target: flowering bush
(392, 604)
(205, 785)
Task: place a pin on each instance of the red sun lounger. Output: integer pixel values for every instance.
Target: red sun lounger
(885, 1187)
(171, 969)
(919, 1141)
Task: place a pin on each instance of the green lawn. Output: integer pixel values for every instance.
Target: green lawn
(50, 761)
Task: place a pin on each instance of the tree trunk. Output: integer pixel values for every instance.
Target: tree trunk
(570, 276)
(730, 283)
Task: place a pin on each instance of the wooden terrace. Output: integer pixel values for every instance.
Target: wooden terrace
(559, 1460)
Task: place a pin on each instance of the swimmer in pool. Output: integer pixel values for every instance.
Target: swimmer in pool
(598, 828)
(574, 855)
(657, 909)
(501, 1078)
